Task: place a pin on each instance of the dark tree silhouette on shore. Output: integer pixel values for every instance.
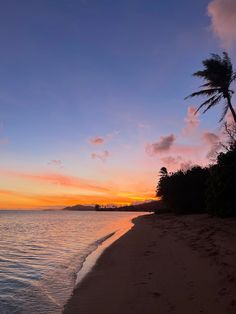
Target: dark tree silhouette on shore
(183, 192)
(163, 172)
(218, 74)
(221, 185)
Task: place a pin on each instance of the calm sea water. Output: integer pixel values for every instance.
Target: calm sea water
(41, 254)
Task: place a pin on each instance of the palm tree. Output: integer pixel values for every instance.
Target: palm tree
(218, 74)
(163, 172)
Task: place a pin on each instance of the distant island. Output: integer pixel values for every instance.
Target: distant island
(80, 208)
(151, 206)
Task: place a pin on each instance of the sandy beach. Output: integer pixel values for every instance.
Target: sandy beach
(164, 264)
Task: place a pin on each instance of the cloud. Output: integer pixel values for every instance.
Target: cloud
(97, 140)
(213, 141)
(56, 163)
(110, 136)
(176, 163)
(223, 19)
(164, 144)
(191, 121)
(210, 137)
(171, 162)
(186, 165)
(102, 156)
(56, 179)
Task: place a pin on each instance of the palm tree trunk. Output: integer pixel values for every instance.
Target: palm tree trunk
(231, 107)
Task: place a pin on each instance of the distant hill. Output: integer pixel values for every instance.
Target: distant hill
(80, 208)
(144, 207)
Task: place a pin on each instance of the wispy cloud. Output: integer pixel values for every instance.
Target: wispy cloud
(56, 179)
(56, 163)
(213, 141)
(171, 162)
(102, 156)
(176, 163)
(223, 18)
(210, 137)
(99, 140)
(162, 145)
(191, 121)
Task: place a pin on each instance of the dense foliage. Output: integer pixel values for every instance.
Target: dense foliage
(221, 186)
(184, 191)
(199, 190)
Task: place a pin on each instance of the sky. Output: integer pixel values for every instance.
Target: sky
(92, 96)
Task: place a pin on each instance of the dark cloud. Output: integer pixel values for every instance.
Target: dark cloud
(163, 145)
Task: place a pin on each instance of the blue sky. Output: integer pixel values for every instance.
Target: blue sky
(73, 70)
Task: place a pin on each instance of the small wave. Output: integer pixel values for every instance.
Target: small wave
(101, 240)
(85, 268)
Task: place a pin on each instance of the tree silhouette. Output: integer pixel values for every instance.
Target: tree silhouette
(163, 172)
(183, 192)
(218, 75)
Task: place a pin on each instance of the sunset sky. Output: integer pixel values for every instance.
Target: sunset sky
(92, 96)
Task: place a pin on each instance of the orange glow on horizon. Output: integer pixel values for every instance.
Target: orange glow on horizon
(16, 200)
(49, 190)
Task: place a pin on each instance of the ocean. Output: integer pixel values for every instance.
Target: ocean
(43, 254)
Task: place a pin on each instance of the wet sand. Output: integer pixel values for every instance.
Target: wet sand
(164, 264)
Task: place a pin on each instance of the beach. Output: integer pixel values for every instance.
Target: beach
(164, 264)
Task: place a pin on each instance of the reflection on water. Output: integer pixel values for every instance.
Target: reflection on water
(41, 253)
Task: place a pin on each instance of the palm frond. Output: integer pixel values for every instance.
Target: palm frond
(213, 103)
(208, 101)
(208, 84)
(233, 77)
(204, 92)
(224, 113)
(201, 74)
(218, 74)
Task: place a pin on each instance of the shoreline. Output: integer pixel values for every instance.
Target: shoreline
(102, 244)
(164, 264)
